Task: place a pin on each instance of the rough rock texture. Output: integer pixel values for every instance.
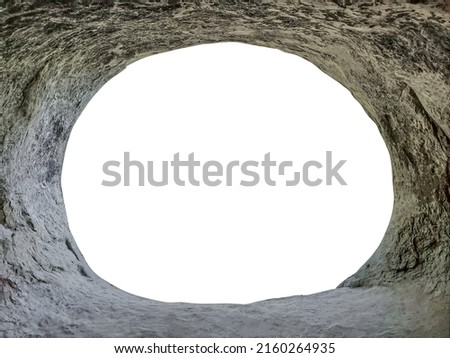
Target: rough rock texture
(393, 56)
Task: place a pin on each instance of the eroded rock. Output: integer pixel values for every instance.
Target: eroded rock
(394, 58)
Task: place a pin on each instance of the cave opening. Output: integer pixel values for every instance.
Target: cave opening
(226, 243)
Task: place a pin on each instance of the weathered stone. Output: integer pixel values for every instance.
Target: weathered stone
(395, 60)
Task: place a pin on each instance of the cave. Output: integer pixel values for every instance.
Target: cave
(393, 56)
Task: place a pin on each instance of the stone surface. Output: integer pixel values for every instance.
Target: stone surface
(394, 57)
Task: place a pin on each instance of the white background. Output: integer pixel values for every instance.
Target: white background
(344, 347)
(226, 244)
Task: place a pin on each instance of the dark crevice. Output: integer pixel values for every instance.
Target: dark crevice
(69, 246)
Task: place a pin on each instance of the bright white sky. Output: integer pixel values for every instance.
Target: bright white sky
(223, 244)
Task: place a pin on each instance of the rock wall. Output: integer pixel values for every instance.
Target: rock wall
(394, 57)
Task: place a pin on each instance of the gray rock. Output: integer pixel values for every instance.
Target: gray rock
(394, 57)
